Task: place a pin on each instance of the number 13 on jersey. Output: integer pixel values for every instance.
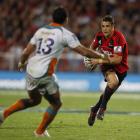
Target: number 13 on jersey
(44, 45)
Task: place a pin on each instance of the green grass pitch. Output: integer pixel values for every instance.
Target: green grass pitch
(121, 122)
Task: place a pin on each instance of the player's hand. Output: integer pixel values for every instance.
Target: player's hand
(88, 63)
(20, 66)
(104, 56)
(95, 62)
(108, 57)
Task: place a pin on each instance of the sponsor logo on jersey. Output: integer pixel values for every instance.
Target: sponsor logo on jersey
(117, 49)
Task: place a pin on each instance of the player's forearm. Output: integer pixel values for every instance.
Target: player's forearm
(101, 61)
(88, 52)
(94, 54)
(115, 59)
(109, 61)
(96, 49)
(22, 61)
(26, 53)
(24, 57)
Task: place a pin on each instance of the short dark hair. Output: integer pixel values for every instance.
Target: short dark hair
(108, 18)
(59, 15)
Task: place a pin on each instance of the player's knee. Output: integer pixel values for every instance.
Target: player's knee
(36, 102)
(57, 105)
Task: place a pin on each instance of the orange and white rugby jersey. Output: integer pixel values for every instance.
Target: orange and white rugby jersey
(49, 41)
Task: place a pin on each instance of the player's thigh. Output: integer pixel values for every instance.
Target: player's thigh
(52, 93)
(53, 99)
(121, 77)
(32, 88)
(112, 79)
(35, 95)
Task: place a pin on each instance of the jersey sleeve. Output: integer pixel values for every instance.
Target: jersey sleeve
(71, 40)
(33, 40)
(121, 44)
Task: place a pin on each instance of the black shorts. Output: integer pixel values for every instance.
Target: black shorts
(121, 76)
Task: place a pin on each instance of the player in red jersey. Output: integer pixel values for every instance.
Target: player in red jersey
(112, 42)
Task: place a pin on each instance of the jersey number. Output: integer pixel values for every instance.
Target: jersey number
(45, 46)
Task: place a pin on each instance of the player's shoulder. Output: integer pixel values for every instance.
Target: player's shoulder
(66, 31)
(118, 33)
(68, 34)
(99, 36)
(39, 30)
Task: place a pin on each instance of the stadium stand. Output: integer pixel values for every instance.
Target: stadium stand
(20, 19)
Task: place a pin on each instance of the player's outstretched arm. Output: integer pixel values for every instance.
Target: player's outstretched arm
(25, 55)
(89, 53)
(115, 59)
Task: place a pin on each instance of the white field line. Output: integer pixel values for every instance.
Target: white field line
(79, 111)
(132, 96)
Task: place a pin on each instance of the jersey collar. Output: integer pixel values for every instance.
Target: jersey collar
(110, 35)
(55, 24)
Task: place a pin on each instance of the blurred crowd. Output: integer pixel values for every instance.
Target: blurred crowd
(20, 19)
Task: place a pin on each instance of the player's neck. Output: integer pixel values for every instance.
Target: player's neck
(55, 24)
(110, 35)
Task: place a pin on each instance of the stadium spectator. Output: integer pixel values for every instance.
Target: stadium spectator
(47, 43)
(32, 14)
(112, 42)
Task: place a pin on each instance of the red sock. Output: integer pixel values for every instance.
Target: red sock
(47, 119)
(13, 108)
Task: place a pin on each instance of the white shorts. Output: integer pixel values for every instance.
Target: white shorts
(46, 84)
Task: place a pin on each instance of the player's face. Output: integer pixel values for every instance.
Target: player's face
(107, 28)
